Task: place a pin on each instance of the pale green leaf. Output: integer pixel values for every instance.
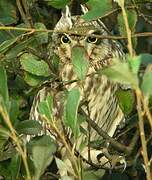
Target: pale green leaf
(72, 104)
(33, 65)
(62, 166)
(121, 73)
(134, 63)
(80, 62)
(33, 80)
(45, 107)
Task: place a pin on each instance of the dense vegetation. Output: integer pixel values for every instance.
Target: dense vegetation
(25, 33)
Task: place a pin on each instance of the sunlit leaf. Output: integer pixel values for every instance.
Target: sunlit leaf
(80, 62)
(134, 63)
(121, 73)
(63, 166)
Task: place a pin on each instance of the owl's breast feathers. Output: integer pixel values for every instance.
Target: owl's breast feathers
(99, 93)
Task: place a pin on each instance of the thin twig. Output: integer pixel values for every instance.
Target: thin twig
(142, 135)
(14, 137)
(118, 146)
(32, 30)
(128, 31)
(23, 15)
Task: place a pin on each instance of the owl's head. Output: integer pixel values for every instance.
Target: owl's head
(76, 32)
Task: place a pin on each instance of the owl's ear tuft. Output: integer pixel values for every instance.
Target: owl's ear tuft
(65, 22)
(84, 9)
(66, 12)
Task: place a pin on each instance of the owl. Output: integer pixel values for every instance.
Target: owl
(97, 90)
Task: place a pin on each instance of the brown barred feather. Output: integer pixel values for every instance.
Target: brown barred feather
(98, 91)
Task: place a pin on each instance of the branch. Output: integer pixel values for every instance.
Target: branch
(118, 146)
(32, 30)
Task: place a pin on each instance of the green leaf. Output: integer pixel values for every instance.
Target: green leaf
(98, 9)
(146, 85)
(93, 174)
(30, 127)
(4, 171)
(8, 13)
(6, 44)
(126, 100)
(45, 107)
(63, 167)
(4, 133)
(8, 153)
(42, 150)
(13, 52)
(120, 72)
(33, 65)
(146, 58)
(80, 63)
(132, 20)
(42, 37)
(15, 166)
(58, 3)
(14, 110)
(134, 63)
(3, 87)
(33, 80)
(72, 104)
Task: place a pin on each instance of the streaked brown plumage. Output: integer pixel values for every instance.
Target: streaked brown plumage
(98, 91)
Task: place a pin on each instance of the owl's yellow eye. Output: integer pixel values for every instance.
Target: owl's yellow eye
(92, 39)
(65, 39)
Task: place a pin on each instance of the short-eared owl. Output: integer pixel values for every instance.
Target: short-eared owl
(97, 91)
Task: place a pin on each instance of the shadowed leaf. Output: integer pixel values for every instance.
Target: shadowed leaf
(29, 127)
(42, 150)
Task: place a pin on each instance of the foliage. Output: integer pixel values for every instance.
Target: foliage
(26, 64)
